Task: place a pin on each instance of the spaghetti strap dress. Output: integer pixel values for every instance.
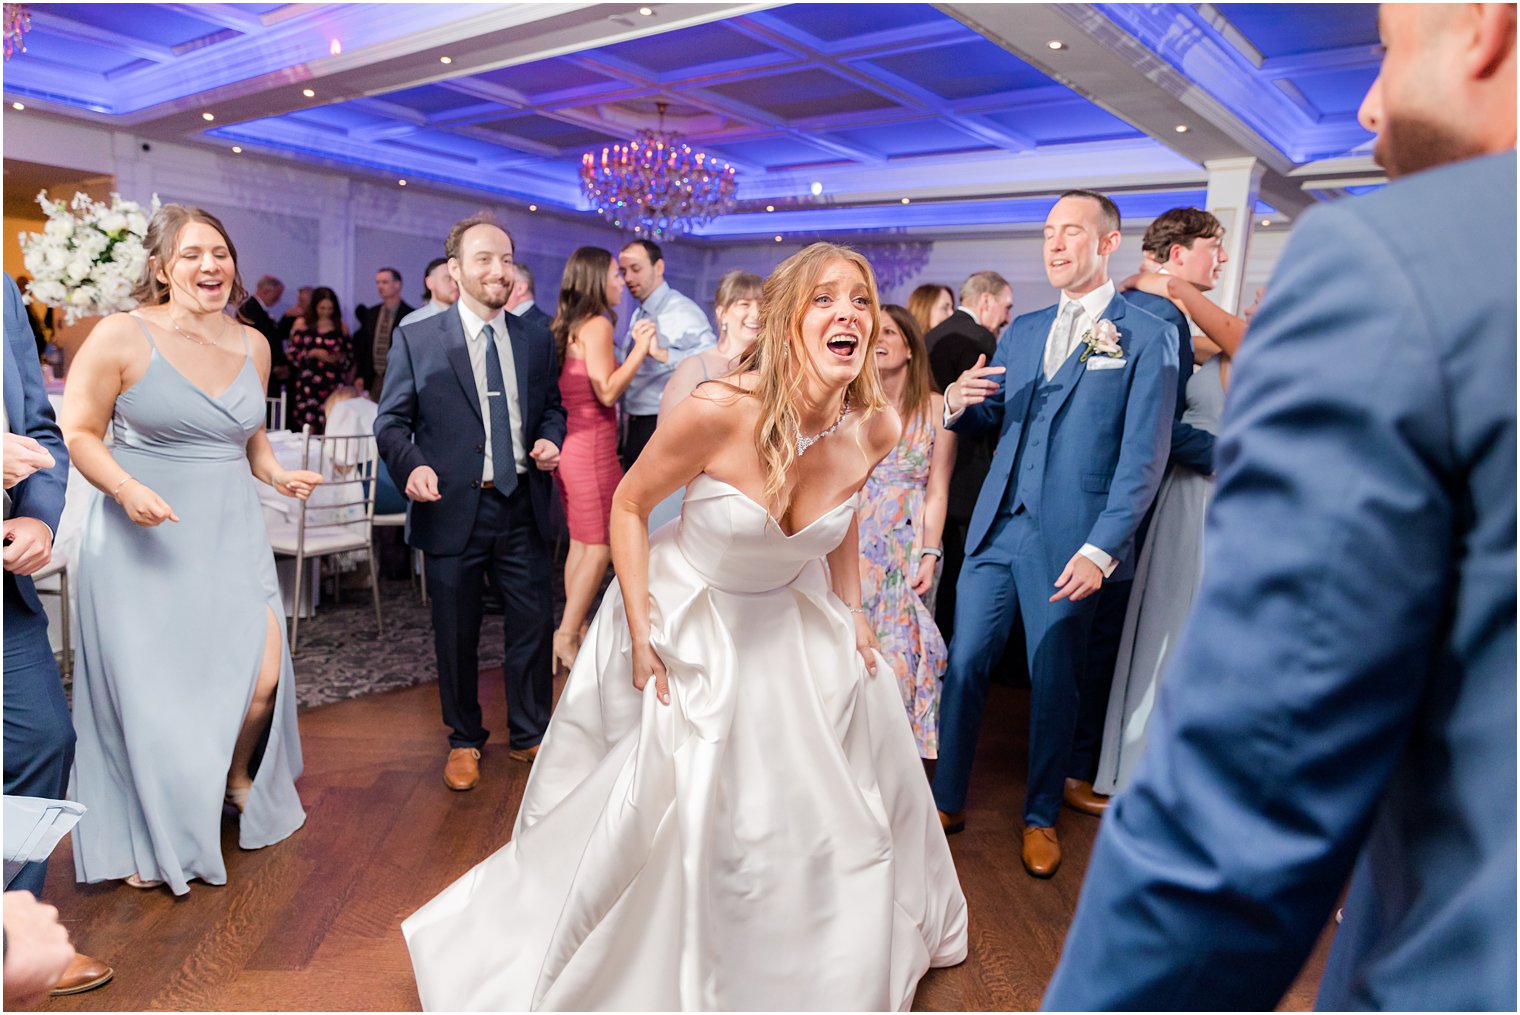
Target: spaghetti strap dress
(172, 622)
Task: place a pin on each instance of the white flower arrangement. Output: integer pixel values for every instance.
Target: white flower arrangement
(89, 256)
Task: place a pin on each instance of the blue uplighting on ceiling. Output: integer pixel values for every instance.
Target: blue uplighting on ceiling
(1278, 30)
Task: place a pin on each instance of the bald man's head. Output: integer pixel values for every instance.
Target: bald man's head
(1446, 90)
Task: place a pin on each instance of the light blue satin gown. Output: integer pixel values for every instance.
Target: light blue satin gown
(172, 621)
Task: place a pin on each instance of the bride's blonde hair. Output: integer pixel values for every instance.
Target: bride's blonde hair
(782, 364)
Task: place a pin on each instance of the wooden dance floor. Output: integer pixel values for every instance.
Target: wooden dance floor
(313, 923)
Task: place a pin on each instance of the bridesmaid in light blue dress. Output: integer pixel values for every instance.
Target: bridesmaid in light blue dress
(1167, 573)
(184, 698)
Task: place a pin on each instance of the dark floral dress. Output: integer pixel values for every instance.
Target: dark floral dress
(315, 379)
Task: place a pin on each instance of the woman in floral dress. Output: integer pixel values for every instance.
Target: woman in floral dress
(902, 518)
(318, 352)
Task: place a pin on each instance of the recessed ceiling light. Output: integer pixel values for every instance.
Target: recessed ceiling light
(18, 105)
(1181, 128)
(445, 59)
(208, 117)
(907, 200)
(778, 239)
(308, 93)
(533, 207)
(816, 188)
(237, 149)
(1266, 222)
(646, 11)
(770, 207)
(1056, 44)
(335, 48)
(400, 183)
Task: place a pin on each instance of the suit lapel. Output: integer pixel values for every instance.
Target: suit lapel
(1073, 370)
(457, 348)
(522, 350)
(15, 397)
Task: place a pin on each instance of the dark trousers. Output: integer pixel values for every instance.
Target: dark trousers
(639, 430)
(1098, 679)
(953, 542)
(504, 542)
(1003, 583)
(39, 736)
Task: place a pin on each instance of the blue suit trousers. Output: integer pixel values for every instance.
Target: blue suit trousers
(1002, 583)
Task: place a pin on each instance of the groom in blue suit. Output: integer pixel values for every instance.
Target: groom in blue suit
(1342, 700)
(1083, 408)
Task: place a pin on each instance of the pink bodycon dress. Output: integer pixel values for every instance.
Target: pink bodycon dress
(588, 463)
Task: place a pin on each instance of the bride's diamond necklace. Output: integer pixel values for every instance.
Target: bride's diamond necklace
(804, 442)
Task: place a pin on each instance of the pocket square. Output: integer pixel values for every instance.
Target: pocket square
(1106, 363)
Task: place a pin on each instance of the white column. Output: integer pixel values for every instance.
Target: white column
(1233, 186)
(335, 240)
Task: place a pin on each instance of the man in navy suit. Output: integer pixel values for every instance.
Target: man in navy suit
(521, 304)
(1083, 409)
(471, 417)
(1185, 242)
(39, 735)
(1342, 700)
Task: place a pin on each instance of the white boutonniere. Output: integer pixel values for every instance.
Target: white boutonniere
(1102, 339)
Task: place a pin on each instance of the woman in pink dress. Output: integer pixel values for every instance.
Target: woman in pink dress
(590, 384)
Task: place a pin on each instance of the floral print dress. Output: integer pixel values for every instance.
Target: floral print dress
(891, 517)
(315, 379)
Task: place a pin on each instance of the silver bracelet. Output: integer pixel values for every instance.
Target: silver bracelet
(932, 551)
(858, 609)
(115, 493)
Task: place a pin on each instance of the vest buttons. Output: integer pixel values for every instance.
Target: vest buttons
(474, 484)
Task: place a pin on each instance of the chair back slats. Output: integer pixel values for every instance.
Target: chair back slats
(274, 412)
(348, 465)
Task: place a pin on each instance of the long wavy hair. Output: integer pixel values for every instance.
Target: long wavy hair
(582, 294)
(783, 365)
(916, 389)
(319, 294)
(162, 241)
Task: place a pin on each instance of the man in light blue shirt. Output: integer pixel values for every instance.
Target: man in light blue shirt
(681, 328)
(441, 291)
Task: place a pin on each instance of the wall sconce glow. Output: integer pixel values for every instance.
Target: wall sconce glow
(1056, 44)
(18, 106)
(445, 59)
(816, 188)
(400, 183)
(646, 12)
(308, 93)
(1181, 128)
(335, 48)
(208, 117)
(237, 149)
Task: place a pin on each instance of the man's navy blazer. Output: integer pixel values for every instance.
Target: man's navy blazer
(39, 495)
(1343, 695)
(430, 415)
(1109, 431)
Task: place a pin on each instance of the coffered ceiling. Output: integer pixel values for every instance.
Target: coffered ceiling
(917, 116)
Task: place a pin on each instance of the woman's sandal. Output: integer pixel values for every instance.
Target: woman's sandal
(138, 882)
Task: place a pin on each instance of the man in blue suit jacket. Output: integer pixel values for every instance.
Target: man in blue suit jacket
(1084, 420)
(39, 735)
(1342, 701)
(470, 420)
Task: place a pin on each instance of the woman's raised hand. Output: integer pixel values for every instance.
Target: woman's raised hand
(296, 483)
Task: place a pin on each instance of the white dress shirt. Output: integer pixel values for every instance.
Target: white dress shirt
(473, 326)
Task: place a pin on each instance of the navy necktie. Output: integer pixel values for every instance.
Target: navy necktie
(503, 456)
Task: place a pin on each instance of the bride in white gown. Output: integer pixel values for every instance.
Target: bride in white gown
(728, 810)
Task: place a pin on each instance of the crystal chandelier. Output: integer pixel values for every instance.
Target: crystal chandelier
(17, 22)
(657, 184)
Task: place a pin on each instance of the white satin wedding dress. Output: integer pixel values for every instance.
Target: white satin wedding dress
(765, 842)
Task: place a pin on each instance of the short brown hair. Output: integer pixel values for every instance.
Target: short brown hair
(1106, 207)
(1179, 225)
(979, 283)
(456, 234)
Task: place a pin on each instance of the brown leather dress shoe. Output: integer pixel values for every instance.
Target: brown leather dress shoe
(84, 973)
(952, 821)
(1042, 851)
(462, 771)
(1079, 796)
(526, 754)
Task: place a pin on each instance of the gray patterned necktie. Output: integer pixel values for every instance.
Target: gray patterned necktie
(503, 455)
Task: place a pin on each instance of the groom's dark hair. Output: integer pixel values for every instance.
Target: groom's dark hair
(1106, 207)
